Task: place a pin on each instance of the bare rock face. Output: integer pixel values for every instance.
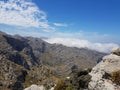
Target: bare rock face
(103, 74)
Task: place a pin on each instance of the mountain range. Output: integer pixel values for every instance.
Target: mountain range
(27, 60)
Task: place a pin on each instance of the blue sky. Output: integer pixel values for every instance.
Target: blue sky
(97, 21)
(101, 16)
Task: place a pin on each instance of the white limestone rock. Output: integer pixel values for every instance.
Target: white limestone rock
(109, 64)
(35, 87)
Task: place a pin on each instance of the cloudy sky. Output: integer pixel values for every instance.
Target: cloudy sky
(93, 24)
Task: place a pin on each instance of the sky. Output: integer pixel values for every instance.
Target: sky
(81, 23)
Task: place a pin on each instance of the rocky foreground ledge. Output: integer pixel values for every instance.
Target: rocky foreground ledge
(106, 74)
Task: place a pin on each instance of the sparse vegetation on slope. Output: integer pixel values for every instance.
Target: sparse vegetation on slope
(78, 80)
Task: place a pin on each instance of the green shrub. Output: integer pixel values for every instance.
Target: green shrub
(69, 87)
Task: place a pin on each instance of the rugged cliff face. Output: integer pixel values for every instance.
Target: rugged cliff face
(19, 67)
(106, 74)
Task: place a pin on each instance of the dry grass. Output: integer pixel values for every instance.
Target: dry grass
(116, 77)
(60, 85)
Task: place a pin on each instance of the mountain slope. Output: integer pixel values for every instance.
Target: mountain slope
(62, 58)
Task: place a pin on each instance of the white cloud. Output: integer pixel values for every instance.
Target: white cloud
(60, 24)
(22, 13)
(49, 30)
(101, 47)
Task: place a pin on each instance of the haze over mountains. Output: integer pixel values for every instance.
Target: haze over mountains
(72, 42)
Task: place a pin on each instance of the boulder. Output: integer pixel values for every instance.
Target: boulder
(116, 51)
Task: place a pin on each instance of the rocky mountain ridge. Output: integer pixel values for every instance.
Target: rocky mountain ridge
(26, 60)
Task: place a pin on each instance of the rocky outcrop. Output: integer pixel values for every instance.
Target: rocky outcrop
(116, 51)
(106, 74)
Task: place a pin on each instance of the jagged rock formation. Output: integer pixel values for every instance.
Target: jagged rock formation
(26, 60)
(106, 74)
